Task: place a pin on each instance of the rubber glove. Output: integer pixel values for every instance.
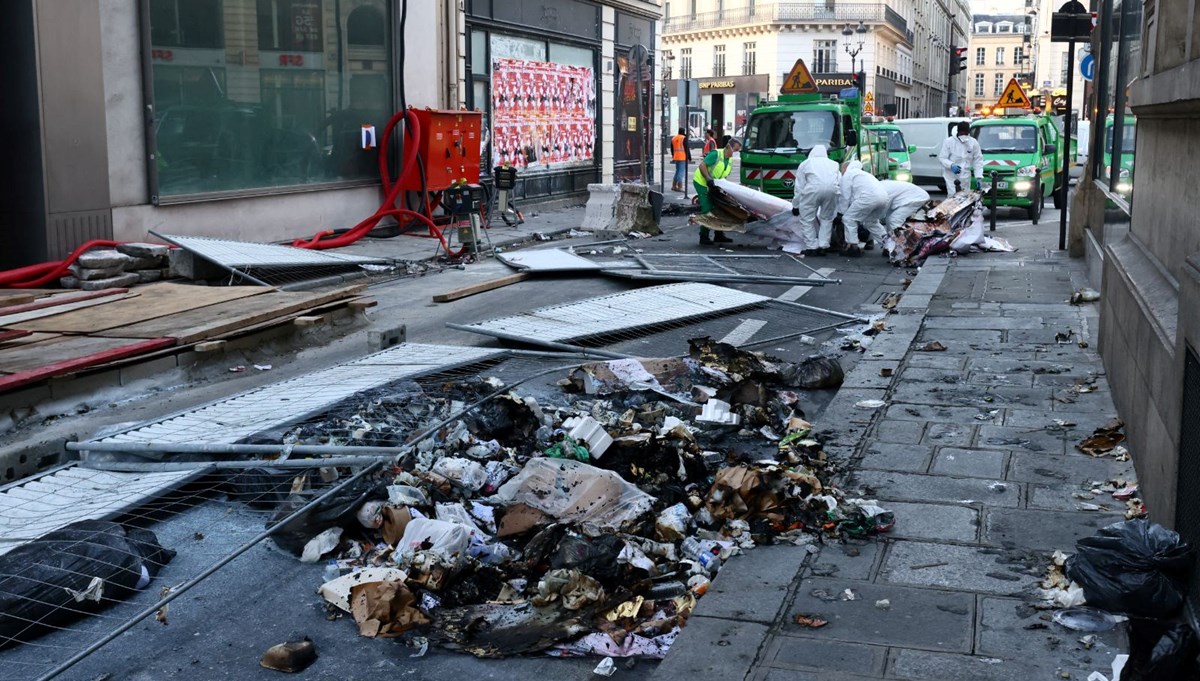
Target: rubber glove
(955, 168)
(796, 212)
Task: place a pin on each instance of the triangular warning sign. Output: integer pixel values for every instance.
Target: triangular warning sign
(798, 81)
(1013, 97)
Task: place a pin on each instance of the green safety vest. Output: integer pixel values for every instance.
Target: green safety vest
(719, 172)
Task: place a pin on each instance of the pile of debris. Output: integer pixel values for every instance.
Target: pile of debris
(954, 225)
(585, 521)
(119, 267)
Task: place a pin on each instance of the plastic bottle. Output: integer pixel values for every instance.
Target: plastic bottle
(700, 551)
(332, 570)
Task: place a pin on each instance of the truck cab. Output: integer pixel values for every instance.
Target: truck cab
(1124, 171)
(781, 133)
(898, 152)
(1025, 155)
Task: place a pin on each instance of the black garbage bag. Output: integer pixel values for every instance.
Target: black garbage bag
(816, 373)
(596, 558)
(1135, 567)
(338, 510)
(1161, 650)
(70, 573)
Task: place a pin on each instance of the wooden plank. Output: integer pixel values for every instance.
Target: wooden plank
(6, 335)
(208, 322)
(482, 286)
(29, 317)
(59, 299)
(153, 301)
(210, 346)
(360, 304)
(16, 298)
(25, 340)
(81, 362)
(55, 349)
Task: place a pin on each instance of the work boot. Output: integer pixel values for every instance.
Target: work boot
(704, 238)
(852, 251)
(720, 238)
(813, 252)
(870, 246)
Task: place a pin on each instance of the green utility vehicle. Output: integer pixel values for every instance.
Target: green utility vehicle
(780, 134)
(1124, 172)
(1025, 155)
(898, 153)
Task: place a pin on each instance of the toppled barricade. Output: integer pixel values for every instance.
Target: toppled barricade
(584, 520)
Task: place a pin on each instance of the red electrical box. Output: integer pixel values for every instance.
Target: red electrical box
(449, 146)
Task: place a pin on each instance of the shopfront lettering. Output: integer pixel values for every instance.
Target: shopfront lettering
(162, 55)
(716, 84)
(291, 60)
(835, 82)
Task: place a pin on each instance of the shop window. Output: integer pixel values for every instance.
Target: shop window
(254, 95)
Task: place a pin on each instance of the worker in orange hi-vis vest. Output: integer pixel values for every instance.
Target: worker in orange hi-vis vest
(679, 156)
(710, 141)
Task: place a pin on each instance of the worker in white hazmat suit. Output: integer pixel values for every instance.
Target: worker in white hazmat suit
(961, 158)
(905, 199)
(863, 203)
(815, 199)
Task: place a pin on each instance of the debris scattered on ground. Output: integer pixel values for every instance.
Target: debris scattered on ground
(1104, 439)
(887, 372)
(891, 300)
(954, 226)
(1064, 336)
(883, 604)
(870, 404)
(1084, 295)
(606, 667)
(579, 519)
(290, 657)
(810, 621)
(932, 346)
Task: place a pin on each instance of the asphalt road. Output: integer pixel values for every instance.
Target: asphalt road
(220, 630)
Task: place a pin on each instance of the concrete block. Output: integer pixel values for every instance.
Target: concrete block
(382, 339)
(187, 266)
(154, 368)
(118, 281)
(617, 209)
(144, 250)
(753, 587)
(713, 648)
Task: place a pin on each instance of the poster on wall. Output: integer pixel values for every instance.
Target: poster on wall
(543, 114)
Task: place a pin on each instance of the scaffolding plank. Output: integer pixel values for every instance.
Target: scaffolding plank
(241, 254)
(151, 302)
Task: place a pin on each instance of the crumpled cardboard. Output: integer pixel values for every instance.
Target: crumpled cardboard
(741, 492)
(384, 609)
(572, 588)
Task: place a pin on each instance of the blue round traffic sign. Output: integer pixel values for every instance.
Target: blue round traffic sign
(1087, 67)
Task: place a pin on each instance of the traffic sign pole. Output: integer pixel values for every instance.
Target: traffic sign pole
(1066, 152)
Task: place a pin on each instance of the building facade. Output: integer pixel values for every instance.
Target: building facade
(999, 51)
(245, 119)
(740, 51)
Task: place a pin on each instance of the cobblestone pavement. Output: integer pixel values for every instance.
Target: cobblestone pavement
(967, 453)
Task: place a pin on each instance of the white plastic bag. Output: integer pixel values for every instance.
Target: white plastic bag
(972, 235)
(445, 538)
(465, 473)
(573, 491)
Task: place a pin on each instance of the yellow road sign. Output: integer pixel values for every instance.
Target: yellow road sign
(1013, 97)
(798, 81)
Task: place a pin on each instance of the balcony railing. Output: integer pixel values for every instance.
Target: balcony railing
(790, 12)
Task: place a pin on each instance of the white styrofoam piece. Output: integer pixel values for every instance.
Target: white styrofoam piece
(589, 430)
(717, 411)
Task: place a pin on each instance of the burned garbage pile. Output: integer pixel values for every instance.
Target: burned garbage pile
(954, 225)
(586, 522)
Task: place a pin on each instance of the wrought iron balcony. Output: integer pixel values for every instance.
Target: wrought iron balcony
(790, 12)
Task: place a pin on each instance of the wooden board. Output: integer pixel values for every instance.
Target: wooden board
(152, 301)
(70, 354)
(58, 299)
(16, 298)
(482, 286)
(29, 316)
(192, 326)
(55, 350)
(26, 340)
(6, 336)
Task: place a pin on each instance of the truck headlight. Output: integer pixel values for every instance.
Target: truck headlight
(1027, 171)
(907, 165)
(1124, 187)
(1023, 186)
(903, 176)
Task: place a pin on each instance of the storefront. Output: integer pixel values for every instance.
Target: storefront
(633, 97)
(725, 105)
(533, 72)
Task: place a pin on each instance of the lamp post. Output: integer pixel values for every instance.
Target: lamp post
(848, 33)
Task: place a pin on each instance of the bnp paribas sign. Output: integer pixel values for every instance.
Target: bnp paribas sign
(834, 82)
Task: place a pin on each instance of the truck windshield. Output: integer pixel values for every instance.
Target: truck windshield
(792, 130)
(1006, 138)
(895, 140)
(1128, 138)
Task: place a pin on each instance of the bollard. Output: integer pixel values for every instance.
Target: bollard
(993, 191)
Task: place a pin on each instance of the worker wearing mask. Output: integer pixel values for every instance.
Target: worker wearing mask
(715, 166)
(863, 203)
(679, 156)
(815, 199)
(960, 156)
(905, 199)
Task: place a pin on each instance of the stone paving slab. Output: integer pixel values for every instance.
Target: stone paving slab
(1028, 439)
(918, 665)
(769, 674)
(959, 337)
(933, 375)
(949, 566)
(1085, 422)
(755, 586)
(801, 654)
(949, 434)
(906, 622)
(897, 457)
(855, 560)
(1056, 530)
(898, 431)
(1008, 380)
(970, 463)
(1059, 498)
(934, 521)
(713, 648)
(967, 396)
(1002, 633)
(926, 413)
(936, 360)
(1076, 468)
(1002, 365)
(973, 323)
(895, 486)
(866, 374)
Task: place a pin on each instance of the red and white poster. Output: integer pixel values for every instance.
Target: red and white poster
(543, 114)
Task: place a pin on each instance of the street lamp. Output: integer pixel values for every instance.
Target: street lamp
(848, 33)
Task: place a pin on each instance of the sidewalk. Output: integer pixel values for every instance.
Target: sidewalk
(968, 456)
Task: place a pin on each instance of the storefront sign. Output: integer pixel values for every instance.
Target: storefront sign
(306, 27)
(717, 84)
(830, 83)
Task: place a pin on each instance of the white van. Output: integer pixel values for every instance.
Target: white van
(927, 134)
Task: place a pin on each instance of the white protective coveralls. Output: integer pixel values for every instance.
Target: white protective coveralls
(863, 202)
(904, 199)
(816, 196)
(962, 152)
